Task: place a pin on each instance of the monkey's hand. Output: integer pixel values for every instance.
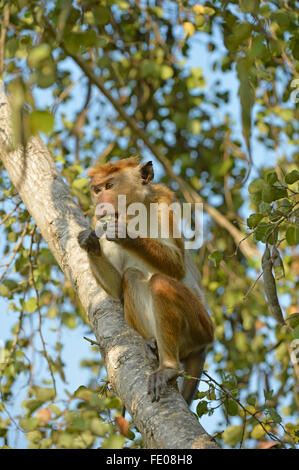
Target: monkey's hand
(88, 240)
(157, 383)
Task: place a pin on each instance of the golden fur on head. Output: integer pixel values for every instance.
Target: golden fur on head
(155, 192)
(113, 167)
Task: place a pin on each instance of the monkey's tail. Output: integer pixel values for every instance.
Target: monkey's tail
(193, 366)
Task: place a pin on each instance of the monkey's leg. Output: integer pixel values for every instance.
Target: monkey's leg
(193, 366)
(139, 314)
(183, 329)
(138, 304)
(167, 310)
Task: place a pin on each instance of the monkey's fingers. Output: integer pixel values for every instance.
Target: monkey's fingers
(88, 240)
(153, 387)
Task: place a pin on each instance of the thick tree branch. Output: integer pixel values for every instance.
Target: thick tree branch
(166, 424)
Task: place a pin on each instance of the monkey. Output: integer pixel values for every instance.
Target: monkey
(155, 278)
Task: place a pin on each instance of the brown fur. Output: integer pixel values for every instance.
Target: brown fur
(113, 167)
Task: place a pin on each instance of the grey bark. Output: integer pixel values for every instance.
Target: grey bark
(167, 424)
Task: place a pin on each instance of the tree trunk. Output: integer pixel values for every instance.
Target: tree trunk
(167, 424)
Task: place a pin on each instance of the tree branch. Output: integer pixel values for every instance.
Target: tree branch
(167, 424)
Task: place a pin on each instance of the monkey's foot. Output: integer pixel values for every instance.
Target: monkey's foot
(152, 349)
(88, 240)
(157, 383)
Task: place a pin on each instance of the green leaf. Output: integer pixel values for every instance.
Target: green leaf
(202, 408)
(216, 257)
(285, 206)
(166, 72)
(114, 442)
(41, 121)
(209, 11)
(29, 424)
(32, 405)
(83, 393)
(268, 394)
(293, 320)
(232, 435)
(80, 183)
(231, 407)
(273, 193)
(194, 126)
(265, 208)
(263, 230)
(292, 235)
(102, 14)
(52, 312)
(74, 40)
(251, 400)
(254, 219)
(256, 185)
(272, 177)
(247, 95)
(69, 320)
(78, 424)
(296, 332)
(149, 68)
(274, 415)
(44, 394)
(257, 432)
(4, 290)
(38, 54)
(249, 6)
(114, 402)
(98, 428)
(292, 177)
(31, 305)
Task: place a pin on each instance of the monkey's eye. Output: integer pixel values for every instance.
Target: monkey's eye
(108, 185)
(96, 189)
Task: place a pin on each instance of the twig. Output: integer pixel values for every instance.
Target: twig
(64, 94)
(92, 342)
(9, 213)
(102, 157)
(252, 286)
(253, 415)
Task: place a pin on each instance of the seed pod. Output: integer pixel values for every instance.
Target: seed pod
(270, 287)
(277, 264)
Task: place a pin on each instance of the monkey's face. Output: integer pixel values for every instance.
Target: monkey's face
(133, 183)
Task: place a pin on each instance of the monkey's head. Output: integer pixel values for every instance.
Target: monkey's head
(125, 177)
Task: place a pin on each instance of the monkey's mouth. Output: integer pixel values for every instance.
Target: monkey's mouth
(103, 212)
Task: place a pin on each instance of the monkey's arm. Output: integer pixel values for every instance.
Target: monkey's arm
(104, 272)
(168, 259)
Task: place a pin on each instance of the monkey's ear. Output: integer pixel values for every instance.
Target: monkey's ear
(147, 172)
